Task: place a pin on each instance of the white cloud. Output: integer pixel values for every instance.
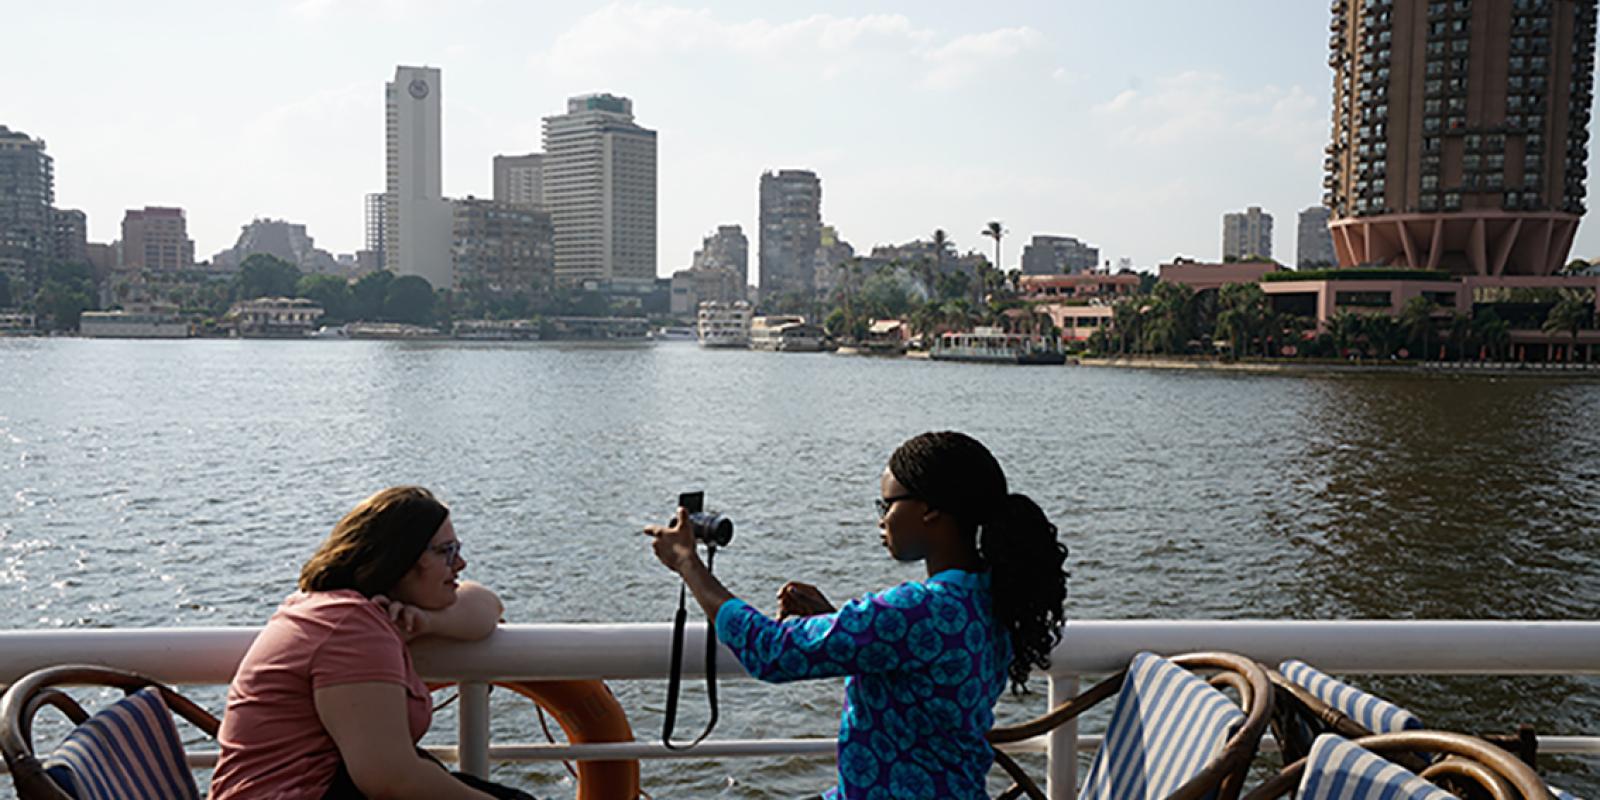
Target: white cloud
(1200, 106)
(630, 38)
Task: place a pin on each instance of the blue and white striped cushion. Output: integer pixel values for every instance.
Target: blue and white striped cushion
(1340, 770)
(130, 749)
(1369, 711)
(1166, 725)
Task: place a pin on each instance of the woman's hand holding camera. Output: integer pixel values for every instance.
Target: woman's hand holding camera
(675, 544)
(802, 600)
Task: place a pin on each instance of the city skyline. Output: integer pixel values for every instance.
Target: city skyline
(908, 117)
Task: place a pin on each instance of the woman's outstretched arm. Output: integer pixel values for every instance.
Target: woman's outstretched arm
(676, 548)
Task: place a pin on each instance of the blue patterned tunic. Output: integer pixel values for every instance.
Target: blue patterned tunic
(926, 664)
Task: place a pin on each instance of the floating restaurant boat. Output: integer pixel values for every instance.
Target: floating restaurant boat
(152, 323)
(785, 334)
(994, 346)
(724, 325)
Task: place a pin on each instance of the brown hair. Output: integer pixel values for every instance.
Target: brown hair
(376, 543)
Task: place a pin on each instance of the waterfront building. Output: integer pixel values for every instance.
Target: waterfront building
(102, 256)
(791, 232)
(375, 208)
(156, 239)
(275, 317)
(1055, 255)
(600, 189)
(1076, 322)
(502, 249)
(691, 287)
(27, 194)
(727, 249)
(1314, 244)
(286, 241)
(417, 218)
(69, 236)
(1203, 277)
(832, 251)
(519, 179)
(1460, 133)
(1247, 234)
(1083, 287)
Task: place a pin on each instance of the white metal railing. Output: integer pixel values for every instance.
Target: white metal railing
(208, 656)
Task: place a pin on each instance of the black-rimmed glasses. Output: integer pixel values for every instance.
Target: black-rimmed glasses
(886, 503)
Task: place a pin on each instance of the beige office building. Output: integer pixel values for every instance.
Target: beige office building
(417, 220)
(156, 239)
(600, 189)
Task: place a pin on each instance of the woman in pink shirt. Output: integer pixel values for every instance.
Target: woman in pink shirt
(326, 702)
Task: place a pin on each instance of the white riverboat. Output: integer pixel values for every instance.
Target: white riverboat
(724, 325)
(785, 334)
(674, 333)
(134, 324)
(995, 346)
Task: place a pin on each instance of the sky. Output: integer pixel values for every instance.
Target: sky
(1132, 126)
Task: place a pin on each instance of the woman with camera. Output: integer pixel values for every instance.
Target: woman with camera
(326, 703)
(925, 660)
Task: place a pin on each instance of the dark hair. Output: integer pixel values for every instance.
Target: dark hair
(955, 473)
(375, 544)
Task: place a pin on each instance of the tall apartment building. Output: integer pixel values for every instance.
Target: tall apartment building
(376, 207)
(27, 193)
(791, 230)
(519, 179)
(1460, 132)
(417, 218)
(156, 239)
(286, 241)
(1058, 255)
(726, 249)
(1247, 234)
(69, 235)
(503, 249)
(1313, 243)
(600, 189)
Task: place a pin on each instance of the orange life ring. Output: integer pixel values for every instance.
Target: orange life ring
(588, 712)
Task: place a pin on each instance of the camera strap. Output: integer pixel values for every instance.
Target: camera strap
(675, 677)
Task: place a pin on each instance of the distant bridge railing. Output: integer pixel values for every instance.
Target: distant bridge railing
(209, 656)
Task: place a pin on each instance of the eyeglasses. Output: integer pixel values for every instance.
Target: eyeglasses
(886, 503)
(448, 551)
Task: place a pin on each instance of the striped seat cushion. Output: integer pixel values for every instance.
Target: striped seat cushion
(1369, 711)
(1340, 770)
(130, 749)
(1167, 723)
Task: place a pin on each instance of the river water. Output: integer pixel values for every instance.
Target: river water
(184, 482)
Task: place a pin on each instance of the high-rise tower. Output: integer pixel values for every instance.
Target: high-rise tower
(600, 189)
(1460, 132)
(791, 230)
(417, 219)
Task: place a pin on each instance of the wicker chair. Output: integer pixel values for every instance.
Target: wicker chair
(1471, 767)
(1220, 775)
(25, 698)
(1300, 715)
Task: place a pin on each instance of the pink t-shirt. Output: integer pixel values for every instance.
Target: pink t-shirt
(273, 744)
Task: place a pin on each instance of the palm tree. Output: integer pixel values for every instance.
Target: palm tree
(1493, 332)
(941, 243)
(1416, 319)
(1127, 318)
(994, 230)
(1460, 332)
(1568, 315)
(1346, 328)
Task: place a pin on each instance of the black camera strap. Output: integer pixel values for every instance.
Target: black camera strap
(675, 677)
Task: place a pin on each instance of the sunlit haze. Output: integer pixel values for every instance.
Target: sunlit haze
(1133, 126)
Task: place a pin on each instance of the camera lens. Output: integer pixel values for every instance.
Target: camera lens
(713, 528)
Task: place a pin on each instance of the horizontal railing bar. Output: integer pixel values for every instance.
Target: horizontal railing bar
(641, 651)
(756, 748)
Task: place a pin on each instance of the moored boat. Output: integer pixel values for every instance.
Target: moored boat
(994, 346)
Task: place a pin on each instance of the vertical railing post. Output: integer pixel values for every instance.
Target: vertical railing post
(1062, 747)
(473, 729)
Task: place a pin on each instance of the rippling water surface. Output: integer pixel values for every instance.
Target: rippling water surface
(183, 483)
